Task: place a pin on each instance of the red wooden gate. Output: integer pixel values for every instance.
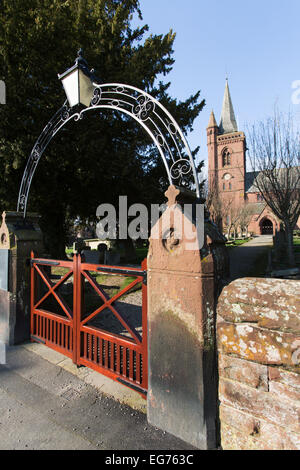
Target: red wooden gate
(74, 331)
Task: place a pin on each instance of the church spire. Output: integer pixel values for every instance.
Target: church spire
(228, 123)
(212, 120)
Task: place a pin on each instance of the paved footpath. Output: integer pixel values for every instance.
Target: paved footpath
(244, 257)
(43, 406)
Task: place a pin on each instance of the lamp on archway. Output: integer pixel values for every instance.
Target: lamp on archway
(78, 82)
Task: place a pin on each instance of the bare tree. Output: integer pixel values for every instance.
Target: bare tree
(233, 213)
(218, 207)
(275, 156)
(245, 216)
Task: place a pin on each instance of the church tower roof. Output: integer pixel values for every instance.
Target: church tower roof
(228, 123)
(212, 120)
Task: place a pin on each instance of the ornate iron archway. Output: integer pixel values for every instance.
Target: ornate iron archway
(146, 110)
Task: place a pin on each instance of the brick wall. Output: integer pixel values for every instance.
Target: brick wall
(258, 329)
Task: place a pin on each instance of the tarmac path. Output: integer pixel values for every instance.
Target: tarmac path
(43, 406)
(244, 257)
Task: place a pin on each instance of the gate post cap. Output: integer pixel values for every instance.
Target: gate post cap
(171, 194)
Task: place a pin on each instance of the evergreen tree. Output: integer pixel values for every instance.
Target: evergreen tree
(101, 157)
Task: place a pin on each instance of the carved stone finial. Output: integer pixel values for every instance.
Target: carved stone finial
(4, 233)
(171, 194)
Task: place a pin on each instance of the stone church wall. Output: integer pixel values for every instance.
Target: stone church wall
(258, 331)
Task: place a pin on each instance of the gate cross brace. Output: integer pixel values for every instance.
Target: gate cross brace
(108, 303)
(52, 288)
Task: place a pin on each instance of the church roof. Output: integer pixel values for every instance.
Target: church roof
(228, 122)
(256, 208)
(212, 120)
(250, 186)
(281, 175)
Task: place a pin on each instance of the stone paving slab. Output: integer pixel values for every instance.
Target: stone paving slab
(102, 383)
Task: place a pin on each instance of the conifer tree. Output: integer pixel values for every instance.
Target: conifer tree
(102, 157)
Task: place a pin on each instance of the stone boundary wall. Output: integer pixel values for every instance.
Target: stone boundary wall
(258, 331)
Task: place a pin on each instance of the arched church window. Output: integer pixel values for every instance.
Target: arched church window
(226, 157)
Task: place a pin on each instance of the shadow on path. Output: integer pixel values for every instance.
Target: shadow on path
(244, 258)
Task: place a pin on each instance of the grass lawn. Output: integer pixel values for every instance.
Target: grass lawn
(141, 254)
(239, 242)
(126, 280)
(59, 271)
(297, 244)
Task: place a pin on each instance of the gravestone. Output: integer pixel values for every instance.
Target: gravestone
(102, 249)
(112, 258)
(90, 256)
(18, 236)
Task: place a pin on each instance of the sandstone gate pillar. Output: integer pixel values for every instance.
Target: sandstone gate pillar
(182, 391)
(18, 236)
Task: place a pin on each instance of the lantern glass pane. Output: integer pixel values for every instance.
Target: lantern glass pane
(86, 89)
(71, 86)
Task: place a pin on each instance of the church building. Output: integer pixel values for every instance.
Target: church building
(228, 177)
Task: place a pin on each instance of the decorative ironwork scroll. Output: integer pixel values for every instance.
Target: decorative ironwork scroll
(146, 110)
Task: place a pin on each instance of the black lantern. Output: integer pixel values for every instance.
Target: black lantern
(77, 82)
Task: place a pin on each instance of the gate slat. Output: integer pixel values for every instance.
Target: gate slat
(106, 353)
(118, 359)
(100, 351)
(138, 368)
(85, 345)
(125, 362)
(130, 364)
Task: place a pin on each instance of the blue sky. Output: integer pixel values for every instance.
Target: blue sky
(256, 43)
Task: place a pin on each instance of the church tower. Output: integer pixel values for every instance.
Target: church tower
(226, 155)
(212, 135)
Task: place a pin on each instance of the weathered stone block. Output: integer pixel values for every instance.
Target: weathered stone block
(269, 438)
(257, 344)
(260, 404)
(243, 422)
(285, 377)
(253, 374)
(284, 391)
(233, 439)
(271, 303)
(243, 431)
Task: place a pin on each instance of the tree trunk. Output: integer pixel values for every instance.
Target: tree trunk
(54, 230)
(130, 254)
(228, 232)
(289, 245)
